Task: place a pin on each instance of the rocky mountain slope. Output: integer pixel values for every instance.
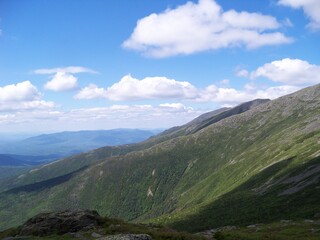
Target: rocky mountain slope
(259, 164)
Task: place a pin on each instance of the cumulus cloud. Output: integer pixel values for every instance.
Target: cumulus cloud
(311, 8)
(213, 93)
(161, 88)
(23, 91)
(21, 114)
(90, 92)
(289, 71)
(174, 106)
(129, 88)
(131, 116)
(275, 92)
(21, 96)
(200, 27)
(63, 79)
(232, 96)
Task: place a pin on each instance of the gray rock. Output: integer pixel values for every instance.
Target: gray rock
(96, 235)
(252, 226)
(127, 237)
(76, 235)
(308, 221)
(46, 224)
(286, 221)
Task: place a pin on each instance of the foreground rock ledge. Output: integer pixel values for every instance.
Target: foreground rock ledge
(45, 224)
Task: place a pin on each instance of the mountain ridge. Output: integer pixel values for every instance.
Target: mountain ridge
(183, 181)
(174, 132)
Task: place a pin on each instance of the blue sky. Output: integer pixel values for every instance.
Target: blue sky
(94, 64)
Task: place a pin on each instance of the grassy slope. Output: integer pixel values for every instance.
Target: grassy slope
(114, 227)
(211, 178)
(293, 230)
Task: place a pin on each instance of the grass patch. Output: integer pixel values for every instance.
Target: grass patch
(274, 231)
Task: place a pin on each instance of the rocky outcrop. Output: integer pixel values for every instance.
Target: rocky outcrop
(45, 224)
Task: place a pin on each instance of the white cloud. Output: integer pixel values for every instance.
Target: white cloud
(22, 96)
(27, 120)
(131, 116)
(212, 93)
(174, 106)
(232, 96)
(116, 116)
(90, 92)
(63, 78)
(202, 26)
(275, 92)
(243, 73)
(70, 69)
(62, 81)
(129, 111)
(310, 7)
(289, 71)
(26, 105)
(23, 91)
(19, 115)
(129, 88)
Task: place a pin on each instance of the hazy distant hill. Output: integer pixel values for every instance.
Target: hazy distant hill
(21, 160)
(258, 162)
(68, 143)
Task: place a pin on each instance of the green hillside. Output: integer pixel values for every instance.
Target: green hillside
(258, 165)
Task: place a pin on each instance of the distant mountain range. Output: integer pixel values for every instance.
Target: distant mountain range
(258, 162)
(21, 160)
(48, 147)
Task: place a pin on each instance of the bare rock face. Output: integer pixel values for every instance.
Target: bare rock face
(45, 224)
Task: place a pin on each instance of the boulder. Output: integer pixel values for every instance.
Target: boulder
(45, 224)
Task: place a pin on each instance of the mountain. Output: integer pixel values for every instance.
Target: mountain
(241, 166)
(76, 162)
(57, 146)
(68, 143)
